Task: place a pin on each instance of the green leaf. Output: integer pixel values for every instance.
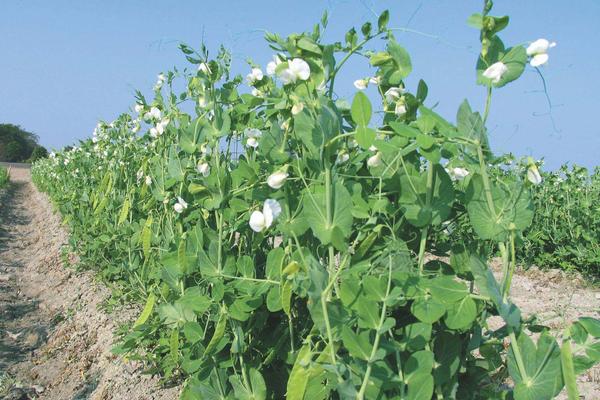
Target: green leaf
(513, 208)
(364, 136)
(413, 197)
(309, 45)
(175, 165)
(568, 369)
(420, 387)
(193, 332)
(488, 286)
(447, 348)
(514, 58)
(470, 124)
(591, 325)
(361, 109)
(401, 58)
(259, 389)
(475, 21)
(461, 314)
(542, 365)
(427, 310)
(416, 336)
(315, 212)
(382, 21)
(447, 290)
(358, 345)
(368, 314)
(419, 363)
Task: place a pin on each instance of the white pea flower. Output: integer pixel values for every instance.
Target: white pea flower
(374, 161)
(253, 135)
(373, 148)
(375, 80)
(148, 180)
(205, 149)
(136, 127)
(160, 127)
(285, 125)
(342, 157)
(272, 65)
(138, 108)
(495, 71)
(154, 132)
(297, 69)
(458, 173)
(300, 68)
(361, 84)
(538, 51)
(393, 94)
(533, 174)
(203, 168)
(297, 108)
(159, 82)
(254, 76)
(322, 86)
(139, 175)
(256, 93)
(202, 103)
(180, 205)
(400, 108)
(154, 113)
(277, 179)
(259, 221)
(203, 67)
(94, 139)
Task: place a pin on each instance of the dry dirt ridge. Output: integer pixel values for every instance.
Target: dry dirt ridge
(55, 339)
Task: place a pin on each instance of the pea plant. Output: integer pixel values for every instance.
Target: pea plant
(566, 226)
(4, 177)
(282, 241)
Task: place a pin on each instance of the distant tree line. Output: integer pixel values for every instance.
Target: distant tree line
(18, 145)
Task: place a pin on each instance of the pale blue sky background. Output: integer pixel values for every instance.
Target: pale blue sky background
(66, 64)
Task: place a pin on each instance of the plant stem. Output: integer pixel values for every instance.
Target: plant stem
(365, 382)
(488, 102)
(425, 229)
(517, 352)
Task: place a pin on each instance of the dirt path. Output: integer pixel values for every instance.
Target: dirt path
(55, 339)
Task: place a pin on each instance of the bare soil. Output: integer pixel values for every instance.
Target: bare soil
(55, 338)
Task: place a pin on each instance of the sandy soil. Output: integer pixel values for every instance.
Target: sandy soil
(55, 339)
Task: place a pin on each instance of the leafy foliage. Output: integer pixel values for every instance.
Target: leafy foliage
(4, 176)
(565, 231)
(316, 283)
(18, 145)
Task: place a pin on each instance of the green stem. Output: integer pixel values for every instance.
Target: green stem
(486, 181)
(363, 386)
(425, 229)
(512, 265)
(517, 352)
(488, 102)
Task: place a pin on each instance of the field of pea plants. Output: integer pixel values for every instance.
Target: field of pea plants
(272, 240)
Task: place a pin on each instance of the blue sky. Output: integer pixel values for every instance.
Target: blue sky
(67, 64)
